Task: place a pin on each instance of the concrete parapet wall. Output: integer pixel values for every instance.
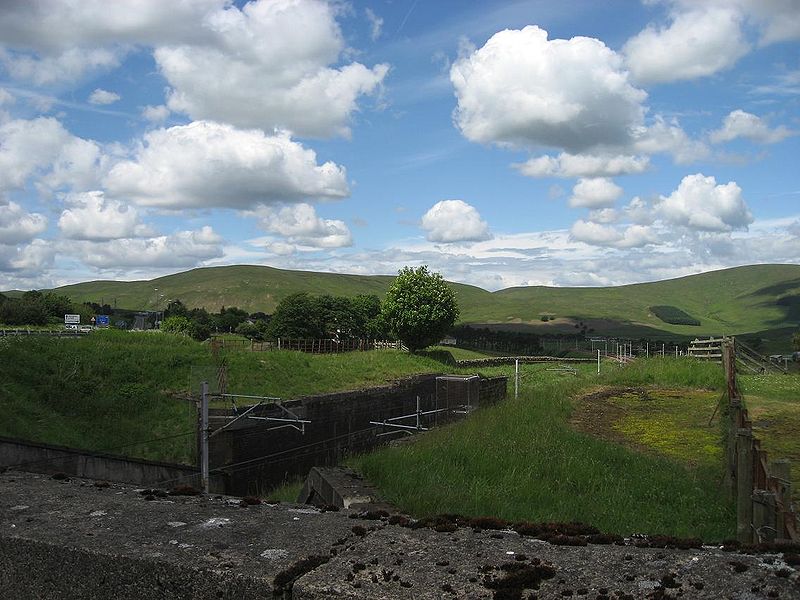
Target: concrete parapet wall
(37, 457)
(72, 540)
(36, 569)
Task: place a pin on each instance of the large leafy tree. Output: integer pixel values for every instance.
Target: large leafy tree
(419, 307)
(296, 316)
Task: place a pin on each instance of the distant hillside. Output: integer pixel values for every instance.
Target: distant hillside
(738, 300)
(747, 299)
(253, 288)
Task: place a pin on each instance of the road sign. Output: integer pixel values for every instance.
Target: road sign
(102, 321)
(72, 319)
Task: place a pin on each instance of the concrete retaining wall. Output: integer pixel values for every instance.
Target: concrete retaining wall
(47, 458)
(258, 459)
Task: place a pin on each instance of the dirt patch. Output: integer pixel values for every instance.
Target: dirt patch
(596, 414)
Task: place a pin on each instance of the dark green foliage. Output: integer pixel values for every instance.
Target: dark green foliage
(796, 341)
(228, 319)
(305, 316)
(673, 315)
(295, 317)
(40, 308)
(419, 307)
(176, 309)
(510, 342)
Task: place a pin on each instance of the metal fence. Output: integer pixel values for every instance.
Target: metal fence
(311, 346)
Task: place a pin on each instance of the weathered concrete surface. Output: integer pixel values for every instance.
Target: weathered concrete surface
(340, 487)
(74, 540)
(397, 562)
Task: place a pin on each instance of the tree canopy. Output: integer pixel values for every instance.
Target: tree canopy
(302, 315)
(420, 308)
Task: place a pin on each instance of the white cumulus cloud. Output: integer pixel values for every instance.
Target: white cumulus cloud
(454, 221)
(521, 88)
(700, 203)
(741, 124)
(91, 216)
(44, 148)
(301, 226)
(696, 43)
(17, 225)
(207, 164)
(23, 259)
(596, 234)
(668, 137)
(47, 42)
(268, 65)
(597, 192)
(181, 249)
(100, 96)
(155, 114)
(583, 165)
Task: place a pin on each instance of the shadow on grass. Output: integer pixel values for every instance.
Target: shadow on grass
(442, 356)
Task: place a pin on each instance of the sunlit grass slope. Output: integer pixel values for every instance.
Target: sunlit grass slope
(521, 460)
(112, 390)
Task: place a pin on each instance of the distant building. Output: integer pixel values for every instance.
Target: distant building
(141, 320)
(448, 341)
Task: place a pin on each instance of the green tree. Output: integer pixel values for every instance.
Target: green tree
(296, 316)
(419, 307)
(176, 324)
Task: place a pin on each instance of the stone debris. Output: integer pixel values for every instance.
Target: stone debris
(274, 553)
(176, 523)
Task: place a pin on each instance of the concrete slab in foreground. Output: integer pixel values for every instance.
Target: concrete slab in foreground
(74, 540)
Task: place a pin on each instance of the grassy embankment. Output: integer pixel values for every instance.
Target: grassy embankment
(111, 390)
(522, 460)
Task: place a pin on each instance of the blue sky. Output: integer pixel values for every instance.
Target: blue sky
(500, 143)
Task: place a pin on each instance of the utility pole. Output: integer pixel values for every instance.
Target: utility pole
(516, 379)
(204, 437)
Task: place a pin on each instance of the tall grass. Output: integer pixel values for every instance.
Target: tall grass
(292, 374)
(521, 460)
(113, 390)
(667, 371)
(107, 391)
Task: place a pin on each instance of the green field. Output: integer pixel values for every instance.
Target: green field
(762, 301)
(526, 459)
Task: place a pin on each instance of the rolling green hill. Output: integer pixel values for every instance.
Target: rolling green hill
(752, 299)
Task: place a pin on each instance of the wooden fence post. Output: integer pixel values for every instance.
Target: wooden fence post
(764, 521)
(782, 484)
(744, 485)
(734, 408)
